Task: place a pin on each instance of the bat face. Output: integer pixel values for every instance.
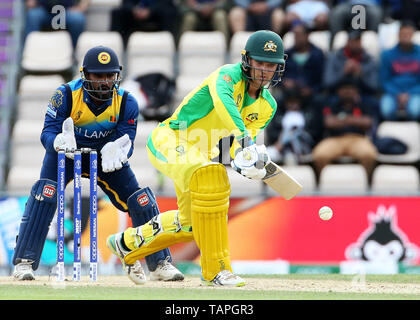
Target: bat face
(281, 182)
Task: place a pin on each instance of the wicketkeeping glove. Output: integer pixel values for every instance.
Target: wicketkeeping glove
(250, 162)
(66, 140)
(114, 154)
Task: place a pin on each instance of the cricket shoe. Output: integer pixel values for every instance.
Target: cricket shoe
(23, 270)
(225, 278)
(134, 271)
(166, 271)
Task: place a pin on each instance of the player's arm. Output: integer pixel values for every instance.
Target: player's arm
(250, 161)
(57, 111)
(221, 90)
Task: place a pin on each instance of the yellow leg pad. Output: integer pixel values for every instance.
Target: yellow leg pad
(159, 233)
(210, 191)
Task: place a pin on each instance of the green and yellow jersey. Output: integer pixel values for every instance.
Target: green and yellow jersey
(219, 107)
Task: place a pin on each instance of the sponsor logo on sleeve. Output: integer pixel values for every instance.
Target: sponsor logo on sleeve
(143, 200)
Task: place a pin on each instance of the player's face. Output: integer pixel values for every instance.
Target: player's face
(102, 81)
(262, 72)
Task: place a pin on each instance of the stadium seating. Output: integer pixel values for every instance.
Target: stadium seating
(416, 37)
(288, 40)
(21, 178)
(304, 174)
(26, 154)
(3, 150)
(319, 38)
(388, 35)
(39, 87)
(343, 178)
(149, 52)
(26, 132)
(34, 93)
(48, 52)
(395, 179)
(370, 42)
(184, 85)
(98, 15)
(11, 26)
(237, 44)
(339, 40)
(199, 54)
(406, 131)
(196, 47)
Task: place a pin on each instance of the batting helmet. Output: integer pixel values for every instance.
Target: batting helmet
(266, 46)
(100, 60)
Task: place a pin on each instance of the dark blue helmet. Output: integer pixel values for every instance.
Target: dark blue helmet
(100, 60)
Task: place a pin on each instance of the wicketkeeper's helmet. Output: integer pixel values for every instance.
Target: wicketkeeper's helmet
(267, 46)
(101, 60)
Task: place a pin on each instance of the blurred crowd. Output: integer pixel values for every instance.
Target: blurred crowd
(329, 103)
(227, 16)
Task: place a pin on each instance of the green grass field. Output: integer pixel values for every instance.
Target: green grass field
(281, 287)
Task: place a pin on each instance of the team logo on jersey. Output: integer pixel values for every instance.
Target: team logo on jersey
(48, 191)
(104, 57)
(270, 46)
(57, 99)
(227, 78)
(78, 115)
(238, 100)
(143, 199)
(112, 119)
(55, 102)
(252, 117)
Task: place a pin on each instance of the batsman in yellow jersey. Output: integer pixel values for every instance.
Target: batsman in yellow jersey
(233, 100)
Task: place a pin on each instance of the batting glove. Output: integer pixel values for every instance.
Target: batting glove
(250, 162)
(66, 140)
(115, 154)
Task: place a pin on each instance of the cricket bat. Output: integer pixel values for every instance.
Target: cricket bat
(281, 182)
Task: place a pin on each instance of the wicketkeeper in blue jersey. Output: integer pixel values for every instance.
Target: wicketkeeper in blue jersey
(90, 112)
